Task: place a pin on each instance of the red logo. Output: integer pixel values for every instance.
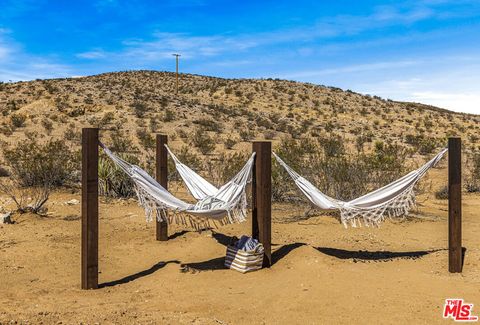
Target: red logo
(458, 310)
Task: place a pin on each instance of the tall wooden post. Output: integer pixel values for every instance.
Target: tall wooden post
(262, 197)
(455, 205)
(161, 173)
(89, 208)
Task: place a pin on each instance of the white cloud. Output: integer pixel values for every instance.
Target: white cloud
(35, 69)
(451, 82)
(440, 88)
(5, 48)
(460, 102)
(94, 54)
(350, 69)
(162, 44)
(16, 65)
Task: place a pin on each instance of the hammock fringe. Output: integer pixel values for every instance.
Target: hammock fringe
(157, 210)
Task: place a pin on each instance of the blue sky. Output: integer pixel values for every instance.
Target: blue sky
(425, 51)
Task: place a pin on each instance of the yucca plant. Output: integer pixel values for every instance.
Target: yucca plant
(113, 181)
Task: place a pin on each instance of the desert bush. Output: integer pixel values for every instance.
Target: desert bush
(247, 134)
(75, 112)
(442, 193)
(106, 119)
(336, 172)
(119, 142)
(168, 115)
(52, 163)
(71, 134)
(264, 122)
(146, 139)
(226, 166)
(230, 142)
(34, 170)
(48, 125)
(4, 172)
(333, 146)
(473, 180)
(424, 145)
(182, 134)
(269, 134)
(202, 141)
(6, 129)
(153, 125)
(31, 135)
(209, 124)
(140, 108)
(360, 142)
(61, 104)
(18, 120)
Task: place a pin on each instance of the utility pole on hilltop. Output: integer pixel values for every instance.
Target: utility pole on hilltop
(176, 64)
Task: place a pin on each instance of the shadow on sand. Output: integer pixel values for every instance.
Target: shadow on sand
(375, 255)
(218, 263)
(138, 275)
(178, 234)
(284, 250)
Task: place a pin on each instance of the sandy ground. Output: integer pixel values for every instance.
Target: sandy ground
(322, 273)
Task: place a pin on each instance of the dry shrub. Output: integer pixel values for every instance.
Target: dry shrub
(146, 139)
(209, 124)
(230, 142)
(473, 180)
(336, 172)
(35, 169)
(119, 142)
(140, 108)
(35, 164)
(168, 116)
(18, 120)
(202, 141)
(442, 193)
(226, 166)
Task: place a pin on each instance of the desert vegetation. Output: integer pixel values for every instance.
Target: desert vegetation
(34, 169)
(333, 137)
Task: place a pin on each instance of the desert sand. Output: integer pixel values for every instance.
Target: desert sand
(322, 272)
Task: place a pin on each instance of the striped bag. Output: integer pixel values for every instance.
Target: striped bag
(244, 260)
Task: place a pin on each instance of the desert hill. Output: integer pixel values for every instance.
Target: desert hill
(233, 111)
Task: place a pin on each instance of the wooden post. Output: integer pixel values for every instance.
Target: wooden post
(89, 208)
(262, 198)
(161, 173)
(455, 205)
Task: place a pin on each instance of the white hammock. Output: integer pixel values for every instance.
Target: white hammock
(226, 205)
(198, 186)
(393, 200)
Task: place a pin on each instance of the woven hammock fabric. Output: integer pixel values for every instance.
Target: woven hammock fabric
(227, 205)
(392, 200)
(198, 186)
